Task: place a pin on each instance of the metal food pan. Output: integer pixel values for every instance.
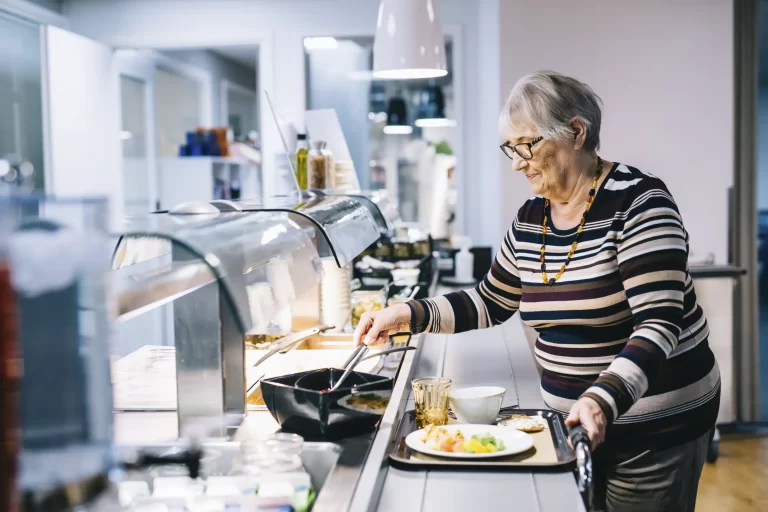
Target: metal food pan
(550, 451)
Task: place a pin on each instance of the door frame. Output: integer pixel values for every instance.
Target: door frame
(744, 210)
(145, 77)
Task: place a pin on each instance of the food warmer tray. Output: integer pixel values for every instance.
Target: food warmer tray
(550, 450)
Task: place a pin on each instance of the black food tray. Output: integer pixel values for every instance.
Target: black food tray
(400, 455)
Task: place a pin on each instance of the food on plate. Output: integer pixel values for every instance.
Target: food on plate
(369, 401)
(523, 422)
(260, 341)
(440, 439)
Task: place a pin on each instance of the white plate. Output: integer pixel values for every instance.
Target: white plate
(514, 441)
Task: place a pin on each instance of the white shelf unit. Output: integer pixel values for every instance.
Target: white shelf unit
(194, 178)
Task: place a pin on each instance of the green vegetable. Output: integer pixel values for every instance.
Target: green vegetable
(303, 500)
(489, 439)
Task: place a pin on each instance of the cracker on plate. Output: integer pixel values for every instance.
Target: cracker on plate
(523, 423)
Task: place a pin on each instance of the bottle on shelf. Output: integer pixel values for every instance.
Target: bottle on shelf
(465, 260)
(318, 166)
(302, 153)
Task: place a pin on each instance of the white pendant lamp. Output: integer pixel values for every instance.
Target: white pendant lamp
(409, 41)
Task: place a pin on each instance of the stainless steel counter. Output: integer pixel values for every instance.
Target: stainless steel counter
(499, 356)
(362, 480)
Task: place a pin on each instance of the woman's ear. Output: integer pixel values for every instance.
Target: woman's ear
(579, 128)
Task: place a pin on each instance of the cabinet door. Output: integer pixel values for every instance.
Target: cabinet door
(81, 97)
(21, 114)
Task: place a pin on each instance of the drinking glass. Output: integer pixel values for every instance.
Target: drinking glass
(430, 395)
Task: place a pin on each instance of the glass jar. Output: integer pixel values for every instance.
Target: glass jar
(276, 453)
(318, 166)
(421, 248)
(401, 249)
(366, 301)
(330, 170)
(383, 250)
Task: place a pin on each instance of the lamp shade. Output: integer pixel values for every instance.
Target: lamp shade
(397, 117)
(397, 113)
(409, 41)
(431, 112)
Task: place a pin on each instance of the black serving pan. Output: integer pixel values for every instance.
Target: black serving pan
(311, 412)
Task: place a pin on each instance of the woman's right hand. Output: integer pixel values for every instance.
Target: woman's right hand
(374, 328)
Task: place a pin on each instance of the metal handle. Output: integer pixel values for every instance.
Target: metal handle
(291, 340)
(389, 351)
(352, 356)
(293, 344)
(361, 351)
(582, 446)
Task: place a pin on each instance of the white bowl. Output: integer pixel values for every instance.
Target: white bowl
(478, 405)
(405, 276)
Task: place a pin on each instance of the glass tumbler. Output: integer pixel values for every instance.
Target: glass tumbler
(430, 396)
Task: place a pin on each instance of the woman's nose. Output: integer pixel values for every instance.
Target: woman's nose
(519, 163)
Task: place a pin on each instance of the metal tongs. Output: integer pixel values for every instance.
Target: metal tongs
(288, 342)
(358, 355)
(583, 448)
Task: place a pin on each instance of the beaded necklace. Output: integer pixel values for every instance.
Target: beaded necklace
(590, 199)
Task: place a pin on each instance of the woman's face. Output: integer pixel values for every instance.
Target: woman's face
(546, 171)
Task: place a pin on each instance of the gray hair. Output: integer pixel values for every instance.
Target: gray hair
(550, 101)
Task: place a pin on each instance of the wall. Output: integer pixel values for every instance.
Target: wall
(53, 5)
(177, 111)
(220, 69)
(664, 71)
(282, 24)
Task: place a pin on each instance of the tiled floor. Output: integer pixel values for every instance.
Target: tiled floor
(738, 481)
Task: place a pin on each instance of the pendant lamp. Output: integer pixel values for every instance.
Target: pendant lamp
(409, 41)
(431, 113)
(397, 117)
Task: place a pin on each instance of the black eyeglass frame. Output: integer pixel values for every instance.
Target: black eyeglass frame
(514, 150)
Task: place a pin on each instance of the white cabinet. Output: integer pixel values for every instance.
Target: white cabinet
(715, 296)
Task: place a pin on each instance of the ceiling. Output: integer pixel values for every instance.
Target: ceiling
(245, 55)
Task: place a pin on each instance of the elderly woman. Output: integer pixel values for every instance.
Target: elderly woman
(596, 262)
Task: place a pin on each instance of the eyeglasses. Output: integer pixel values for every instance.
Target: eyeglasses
(523, 149)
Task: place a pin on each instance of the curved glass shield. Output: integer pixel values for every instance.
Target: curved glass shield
(344, 224)
(261, 261)
(379, 203)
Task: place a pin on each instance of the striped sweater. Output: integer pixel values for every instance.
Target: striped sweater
(621, 325)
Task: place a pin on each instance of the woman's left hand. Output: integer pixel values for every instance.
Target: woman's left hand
(588, 413)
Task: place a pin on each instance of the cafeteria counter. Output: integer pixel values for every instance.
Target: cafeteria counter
(363, 481)
(499, 357)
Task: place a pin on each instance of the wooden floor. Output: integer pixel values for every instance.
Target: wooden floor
(738, 481)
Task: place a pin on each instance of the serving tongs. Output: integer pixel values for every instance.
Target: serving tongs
(288, 342)
(360, 354)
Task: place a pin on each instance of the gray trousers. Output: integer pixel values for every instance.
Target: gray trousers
(652, 480)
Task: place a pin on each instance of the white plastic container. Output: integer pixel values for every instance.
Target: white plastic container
(335, 296)
(465, 260)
